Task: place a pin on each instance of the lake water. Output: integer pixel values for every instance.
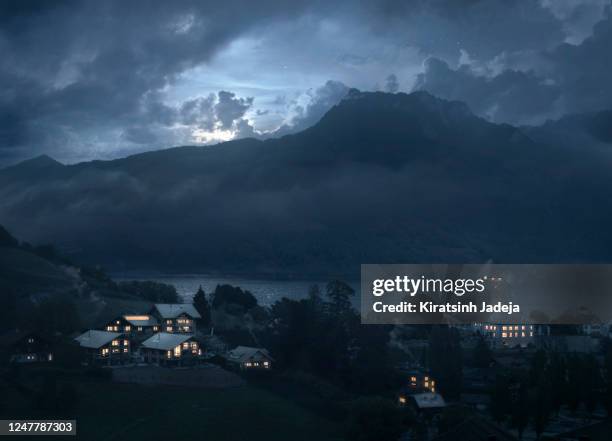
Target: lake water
(266, 291)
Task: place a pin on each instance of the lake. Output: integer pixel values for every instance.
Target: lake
(267, 291)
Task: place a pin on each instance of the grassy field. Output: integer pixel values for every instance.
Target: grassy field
(111, 411)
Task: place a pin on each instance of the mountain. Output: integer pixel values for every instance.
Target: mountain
(592, 128)
(381, 178)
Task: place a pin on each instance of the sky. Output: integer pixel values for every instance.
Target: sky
(83, 80)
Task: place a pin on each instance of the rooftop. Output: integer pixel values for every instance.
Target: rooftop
(173, 310)
(165, 341)
(245, 353)
(96, 339)
(428, 400)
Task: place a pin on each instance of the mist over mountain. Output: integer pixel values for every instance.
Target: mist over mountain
(381, 178)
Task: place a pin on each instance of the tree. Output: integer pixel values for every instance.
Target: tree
(375, 419)
(200, 302)
(339, 294)
(481, 357)
(446, 360)
(520, 410)
(151, 291)
(233, 295)
(500, 398)
(557, 375)
(541, 406)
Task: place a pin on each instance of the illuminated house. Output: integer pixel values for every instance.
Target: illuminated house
(105, 347)
(247, 358)
(26, 347)
(419, 381)
(510, 335)
(176, 317)
(134, 324)
(167, 348)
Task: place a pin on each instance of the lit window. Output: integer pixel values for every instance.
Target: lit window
(177, 351)
(413, 379)
(266, 364)
(125, 349)
(504, 328)
(523, 327)
(169, 328)
(531, 334)
(140, 329)
(128, 328)
(115, 342)
(516, 328)
(169, 354)
(522, 334)
(504, 335)
(402, 400)
(427, 384)
(126, 342)
(30, 340)
(155, 328)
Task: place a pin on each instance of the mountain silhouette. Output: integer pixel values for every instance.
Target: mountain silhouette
(381, 178)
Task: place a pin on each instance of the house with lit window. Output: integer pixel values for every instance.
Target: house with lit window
(26, 347)
(510, 335)
(176, 317)
(104, 347)
(248, 358)
(170, 348)
(136, 325)
(418, 382)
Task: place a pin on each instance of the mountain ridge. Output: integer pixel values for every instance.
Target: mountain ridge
(381, 178)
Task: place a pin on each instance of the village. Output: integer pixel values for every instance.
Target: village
(165, 345)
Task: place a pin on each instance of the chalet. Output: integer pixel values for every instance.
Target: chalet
(26, 347)
(176, 317)
(165, 348)
(105, 347)
(247, 358)
(419, 381)
(134, 325)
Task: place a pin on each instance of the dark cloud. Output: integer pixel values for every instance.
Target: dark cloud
(566, 79)
(320, 101)
(510, 96)
(85, 79)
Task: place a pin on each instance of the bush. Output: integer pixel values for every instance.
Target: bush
(227, 294)
(374, 419)
(155, 292)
